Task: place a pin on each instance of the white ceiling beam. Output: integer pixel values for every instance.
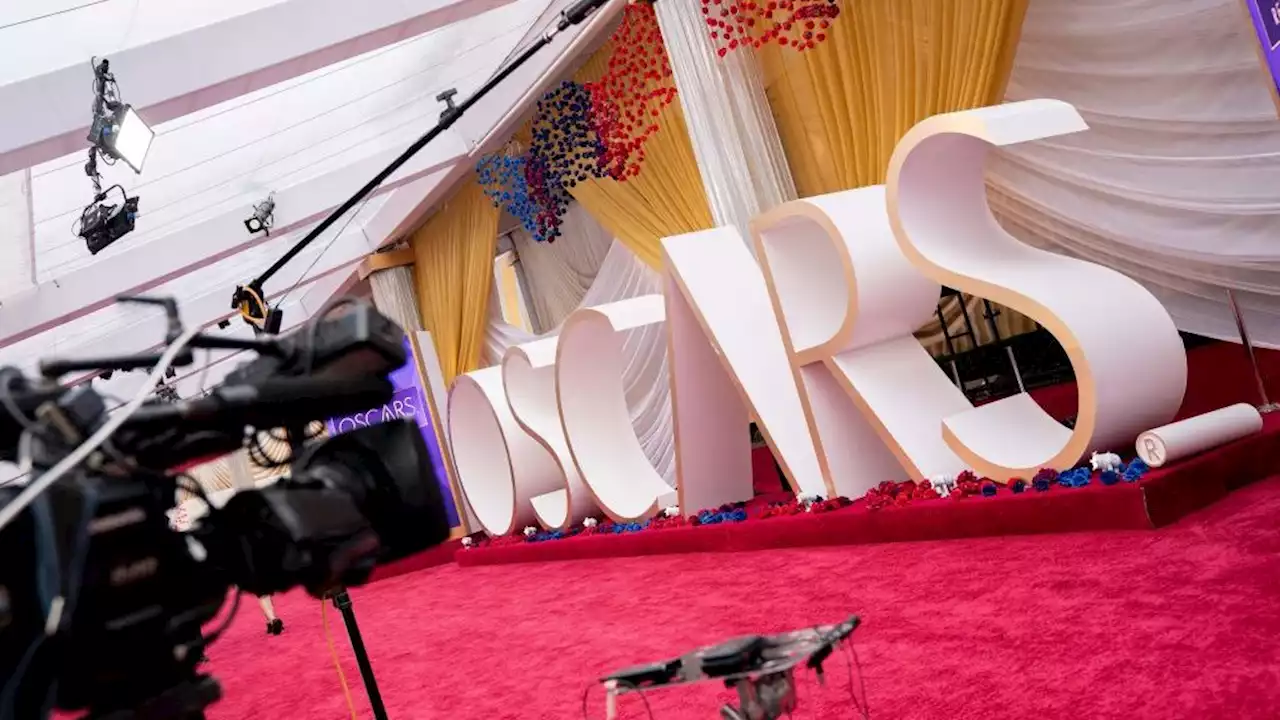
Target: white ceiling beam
(17, 234)
(206, 309)
(317, 294)
(403, 203)
(48, 114)
(495, 116)
(318, 280)
(502, 112)
(221, 362)
(135, 269)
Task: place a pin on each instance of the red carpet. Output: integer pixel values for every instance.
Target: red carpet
(1162, 497)
(1177, 622)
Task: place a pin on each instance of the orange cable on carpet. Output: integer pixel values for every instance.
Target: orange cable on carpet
(333, 653)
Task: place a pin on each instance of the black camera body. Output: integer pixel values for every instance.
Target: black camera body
(101, 224)
(104, 607)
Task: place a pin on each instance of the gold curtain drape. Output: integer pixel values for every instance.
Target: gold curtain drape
(665, 199)
(885, 66)
(453, 275)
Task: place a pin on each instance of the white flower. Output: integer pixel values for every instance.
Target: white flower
(530, 531)
(590, 522)
(467, 542)
(943, 484)
(671, 511)
(1105, 461)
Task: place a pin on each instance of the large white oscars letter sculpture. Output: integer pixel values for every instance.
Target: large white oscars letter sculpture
(500, 467)
(815, 345)
(713, 281)
(529, 374)
(849, 302)
(1129, 362)
(594, 413)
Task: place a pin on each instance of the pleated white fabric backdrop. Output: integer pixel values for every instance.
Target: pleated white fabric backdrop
(735, 140)
(1177, 183)
(619, 276)
(557, 275)
(395, 297)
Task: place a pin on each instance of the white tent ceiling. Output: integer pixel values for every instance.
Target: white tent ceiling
(306, 98)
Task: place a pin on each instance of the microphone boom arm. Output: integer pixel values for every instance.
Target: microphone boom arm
(573, 15)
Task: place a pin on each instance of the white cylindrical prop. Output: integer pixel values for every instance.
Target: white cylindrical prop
(500, 467)
(1196, 434)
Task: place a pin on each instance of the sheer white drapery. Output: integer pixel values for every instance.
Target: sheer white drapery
(1177, 181)
(740, 158)
(394, 296)
(557, 275)
(620, 276)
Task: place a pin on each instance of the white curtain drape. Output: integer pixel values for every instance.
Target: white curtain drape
(1177, 181)
(394, 296)
(731, 128)
(620, 276)
(557, 275)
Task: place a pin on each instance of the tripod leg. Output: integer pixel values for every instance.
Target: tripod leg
(342, 601)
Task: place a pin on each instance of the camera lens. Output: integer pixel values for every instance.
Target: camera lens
(352, 502)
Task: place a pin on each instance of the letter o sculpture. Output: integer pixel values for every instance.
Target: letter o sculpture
(500, 468)
(594, 412)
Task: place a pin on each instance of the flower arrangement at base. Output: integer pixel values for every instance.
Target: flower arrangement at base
(664, 522)
(967, 484)
(732, 512)
(807, 505)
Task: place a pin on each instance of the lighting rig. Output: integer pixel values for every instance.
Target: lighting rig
(263, 217)
(116, 133)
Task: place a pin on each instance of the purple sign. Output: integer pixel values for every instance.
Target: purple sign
(1266, 22)
(409, 401)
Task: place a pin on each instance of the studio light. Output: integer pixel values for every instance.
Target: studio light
(263, 217)
(117, 130)
(116, 133)
(122, 135)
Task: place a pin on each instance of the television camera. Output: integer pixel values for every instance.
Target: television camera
(104, 607)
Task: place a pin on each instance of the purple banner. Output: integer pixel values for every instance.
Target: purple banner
(1266, 23)
(409, 401)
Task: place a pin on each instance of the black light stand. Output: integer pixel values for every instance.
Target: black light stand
(342, 601)
(573, 15)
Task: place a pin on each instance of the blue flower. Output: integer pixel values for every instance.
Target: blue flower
(1109, 477)
(1135, 470)
(1075, 477)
